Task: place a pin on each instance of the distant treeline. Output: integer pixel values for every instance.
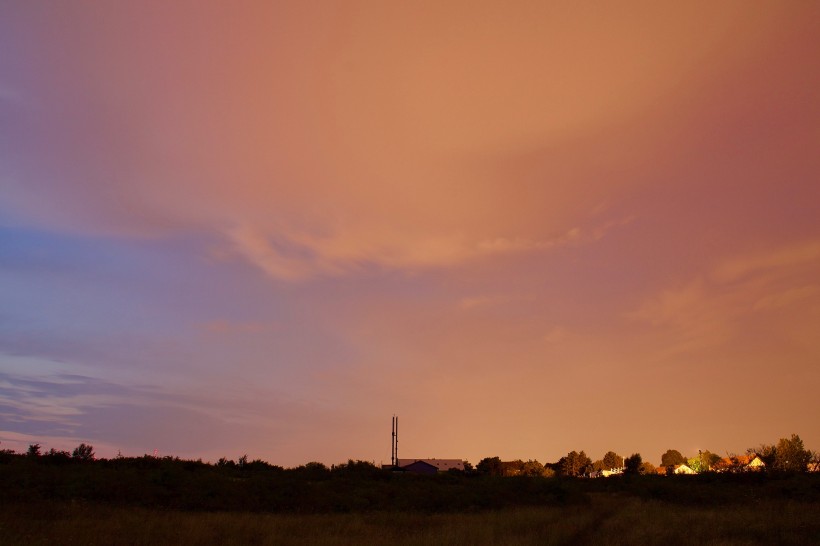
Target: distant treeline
(170, 482)
(787, 455)
(355, 486)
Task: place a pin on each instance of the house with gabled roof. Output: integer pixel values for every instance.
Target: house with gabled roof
(430, 466)
(740, 463)
(682, 469)
(754, 462)
(676, 469)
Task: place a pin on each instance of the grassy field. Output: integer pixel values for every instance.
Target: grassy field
(605, 519)
(148, 500)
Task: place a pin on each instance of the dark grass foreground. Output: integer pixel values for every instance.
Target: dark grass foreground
(168, 501)
(607, 519)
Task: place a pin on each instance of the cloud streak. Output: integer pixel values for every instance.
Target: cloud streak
(711, 309)
(292, 255)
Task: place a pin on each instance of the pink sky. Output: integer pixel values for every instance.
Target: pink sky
(525, 228)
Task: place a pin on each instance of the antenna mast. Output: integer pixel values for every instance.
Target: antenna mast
(394, 445)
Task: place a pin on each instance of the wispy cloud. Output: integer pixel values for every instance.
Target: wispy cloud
(293, 255)
(689, 317)
(55, 399)
(709, 309)
(42, 403)
(788, 297)
(791, 257)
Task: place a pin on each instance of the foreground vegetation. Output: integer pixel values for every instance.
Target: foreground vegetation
(357, 486)
(57, 498)
(604, 519)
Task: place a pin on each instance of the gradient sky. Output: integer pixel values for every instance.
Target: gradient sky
(524, 227)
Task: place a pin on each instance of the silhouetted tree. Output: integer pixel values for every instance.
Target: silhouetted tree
(224, 462)
(532, 468)
(356, 468)
(646, 468)
(575, 464)
(703, 461)
(672, 457)
(83, 452)
(632, 464)
(709, 459)
(612, 460)
(33, 450)
(491, 466)
(790, 455)
(57, 456)
(313, 471)
(258, 465)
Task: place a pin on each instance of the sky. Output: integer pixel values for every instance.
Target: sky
(525, 228)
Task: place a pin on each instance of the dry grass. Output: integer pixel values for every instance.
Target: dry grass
(608, 519)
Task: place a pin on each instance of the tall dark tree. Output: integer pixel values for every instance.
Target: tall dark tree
(33, 450)
(632, 464)
(575, 464)
(672, 457)
(83, 452)
(612, 460)
(791, 456)
(491, 466)
(709, 459)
